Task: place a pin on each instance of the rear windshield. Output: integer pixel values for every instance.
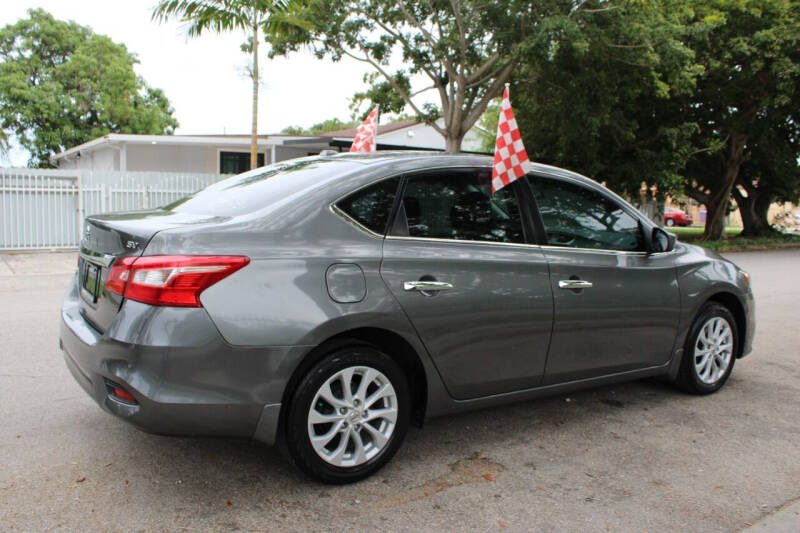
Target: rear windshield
(258, 188)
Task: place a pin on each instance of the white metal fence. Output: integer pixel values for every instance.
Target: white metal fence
(44, 209)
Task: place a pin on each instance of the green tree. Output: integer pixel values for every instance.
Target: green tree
(382, 94)
(745, 105)
(294, 130)
(270, 17)
(331, 124)
(598, 102)
(771, 172)
(62, 85)
(693, 97)
(486, 128)
(467, 49)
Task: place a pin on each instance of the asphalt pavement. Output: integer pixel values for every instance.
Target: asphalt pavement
(635, 457)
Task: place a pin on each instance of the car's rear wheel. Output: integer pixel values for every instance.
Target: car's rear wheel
(348, 415)
(710, 350)
(670, 222)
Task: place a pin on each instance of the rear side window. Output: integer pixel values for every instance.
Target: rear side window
(458, 205)
(372, 206)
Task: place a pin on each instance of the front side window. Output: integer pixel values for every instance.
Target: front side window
(372, 206)
(577, 217)
(458, 205)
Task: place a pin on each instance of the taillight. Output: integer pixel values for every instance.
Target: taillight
(170, 280)
(119, 274)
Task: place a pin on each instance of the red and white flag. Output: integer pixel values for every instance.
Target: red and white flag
(365, 136)
(509, 152)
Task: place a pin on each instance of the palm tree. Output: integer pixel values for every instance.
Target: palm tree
(271, 16)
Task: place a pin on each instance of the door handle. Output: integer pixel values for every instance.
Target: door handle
(426, 286)
(574, 284)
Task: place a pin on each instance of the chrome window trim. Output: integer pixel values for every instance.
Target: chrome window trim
(336, 210)
(595, 250)
(636, 214)
(459, 241)
(403, 174)
(526, 245)
(594, 186)
(409, 174)
(604, 251)
(340, 212)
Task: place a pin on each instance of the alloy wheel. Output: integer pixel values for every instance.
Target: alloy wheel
(352, 416)
(713, 350)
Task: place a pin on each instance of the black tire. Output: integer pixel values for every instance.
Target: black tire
(670, 222)
(688, 378)
(298, 442)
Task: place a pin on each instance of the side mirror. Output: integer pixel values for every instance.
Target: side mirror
(661, 241)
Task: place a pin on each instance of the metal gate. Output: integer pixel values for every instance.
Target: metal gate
(44, 209)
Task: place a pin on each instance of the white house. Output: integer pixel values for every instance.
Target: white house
(206, 154)
(230, 154)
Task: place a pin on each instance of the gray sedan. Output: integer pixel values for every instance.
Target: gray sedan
(328, 302)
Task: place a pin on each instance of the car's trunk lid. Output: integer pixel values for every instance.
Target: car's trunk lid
(105, 239)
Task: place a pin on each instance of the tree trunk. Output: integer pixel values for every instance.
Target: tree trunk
(453, 139)
(716, 209)
(254, 128)
(754, 209)
(717, 206)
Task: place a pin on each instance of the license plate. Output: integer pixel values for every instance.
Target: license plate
(91, 279)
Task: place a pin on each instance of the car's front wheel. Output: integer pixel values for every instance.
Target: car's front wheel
(348, 415)
(710, 350)
(670, 222)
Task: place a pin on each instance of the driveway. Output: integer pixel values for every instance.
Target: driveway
(635, 457)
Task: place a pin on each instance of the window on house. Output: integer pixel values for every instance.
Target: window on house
(237, 162)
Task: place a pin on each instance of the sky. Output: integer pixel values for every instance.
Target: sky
(205, 77)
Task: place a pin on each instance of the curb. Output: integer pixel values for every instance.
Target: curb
(784, 520)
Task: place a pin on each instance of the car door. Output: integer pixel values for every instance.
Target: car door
(616, 306)
(479, 296)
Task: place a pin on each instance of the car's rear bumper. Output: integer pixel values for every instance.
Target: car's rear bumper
(186, 380)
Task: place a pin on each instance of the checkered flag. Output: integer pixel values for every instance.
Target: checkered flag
(509, 152)
(365, 136)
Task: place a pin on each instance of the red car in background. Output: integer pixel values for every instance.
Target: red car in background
(676, 217)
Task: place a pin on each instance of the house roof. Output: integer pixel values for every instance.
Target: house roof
(382, 128)
(244, 135)
(115, 139)
(276, 139)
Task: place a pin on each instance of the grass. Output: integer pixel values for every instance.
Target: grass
(696, 231)
(733, 243)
